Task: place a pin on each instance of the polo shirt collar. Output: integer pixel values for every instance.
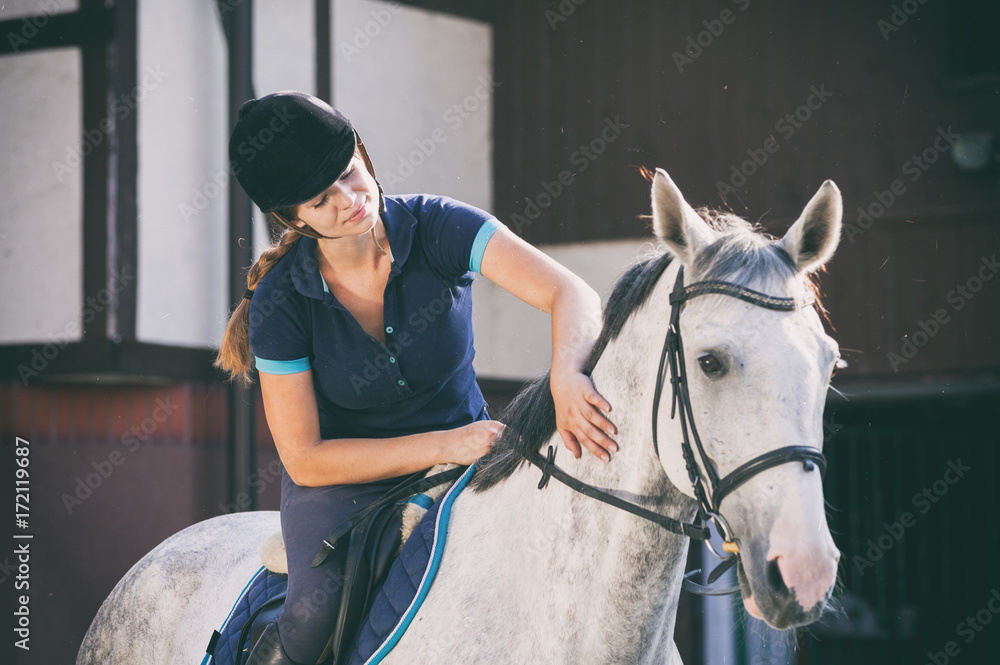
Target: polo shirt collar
(399, 224)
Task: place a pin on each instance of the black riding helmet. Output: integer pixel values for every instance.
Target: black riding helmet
(289, 147)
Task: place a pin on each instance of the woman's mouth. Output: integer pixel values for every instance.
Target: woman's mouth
(358, 214)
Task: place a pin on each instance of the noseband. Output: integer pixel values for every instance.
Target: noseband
(709, 489)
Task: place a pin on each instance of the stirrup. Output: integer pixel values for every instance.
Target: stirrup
(268, 650)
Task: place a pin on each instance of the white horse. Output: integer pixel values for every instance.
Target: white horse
(553, 576)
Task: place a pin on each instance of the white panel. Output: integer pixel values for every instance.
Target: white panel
(183, 201)
(41, 228)
(284, 46)
(284, 59)
(37, 12)
(513, 340)
(417, 85)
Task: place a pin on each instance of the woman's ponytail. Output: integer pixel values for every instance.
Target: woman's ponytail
(235, 355)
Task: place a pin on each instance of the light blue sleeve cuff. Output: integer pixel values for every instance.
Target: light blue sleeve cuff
(486, 232)
(282, 366)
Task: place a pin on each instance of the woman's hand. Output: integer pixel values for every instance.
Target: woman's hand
(578, 415)
(464, 445)
(540, 281)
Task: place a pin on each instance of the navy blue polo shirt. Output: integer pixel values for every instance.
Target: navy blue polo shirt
(422, 378)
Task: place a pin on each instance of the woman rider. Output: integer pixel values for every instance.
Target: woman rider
(359, 323)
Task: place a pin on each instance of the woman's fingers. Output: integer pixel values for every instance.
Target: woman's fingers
(571, 443)
(488, 431)
(474, 440)
(594, 425)
(596, 441)
(581, 423)
(594, 398)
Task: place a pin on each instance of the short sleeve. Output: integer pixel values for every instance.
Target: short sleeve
(454, 234)
(278, 337)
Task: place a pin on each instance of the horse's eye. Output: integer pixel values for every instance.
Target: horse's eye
(840, 364)
(711, 366)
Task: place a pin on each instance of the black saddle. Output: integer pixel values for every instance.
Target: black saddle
(366, 545)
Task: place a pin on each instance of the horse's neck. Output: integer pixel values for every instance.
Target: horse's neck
(629, 567)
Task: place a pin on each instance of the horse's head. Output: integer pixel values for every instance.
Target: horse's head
(757, 380)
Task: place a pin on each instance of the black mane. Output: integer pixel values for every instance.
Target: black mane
(531, 417)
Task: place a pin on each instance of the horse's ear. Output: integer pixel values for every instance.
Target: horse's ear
(675, 222)
(813, 238)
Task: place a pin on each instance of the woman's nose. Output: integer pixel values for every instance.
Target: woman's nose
(341, 195)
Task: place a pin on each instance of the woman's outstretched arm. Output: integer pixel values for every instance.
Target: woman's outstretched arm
(540, 281)
(293, 418)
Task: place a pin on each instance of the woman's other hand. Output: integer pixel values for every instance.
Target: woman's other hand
(466, 444)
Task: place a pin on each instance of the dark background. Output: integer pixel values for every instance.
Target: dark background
(892, 433)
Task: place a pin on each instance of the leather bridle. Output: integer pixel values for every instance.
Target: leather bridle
(709, 489)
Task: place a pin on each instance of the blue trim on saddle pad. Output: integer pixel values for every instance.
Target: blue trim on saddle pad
(262, 587)
(422, 500)
(407, 584)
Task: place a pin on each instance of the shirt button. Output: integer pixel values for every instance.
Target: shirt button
(388, 329)
(401, 382)
(391, 359)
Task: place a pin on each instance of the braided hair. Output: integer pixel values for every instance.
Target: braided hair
(235, 355)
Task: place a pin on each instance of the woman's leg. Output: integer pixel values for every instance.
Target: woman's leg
(308, 515)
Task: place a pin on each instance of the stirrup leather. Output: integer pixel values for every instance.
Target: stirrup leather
(268, 650)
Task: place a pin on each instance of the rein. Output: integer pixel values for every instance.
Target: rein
(709, 489)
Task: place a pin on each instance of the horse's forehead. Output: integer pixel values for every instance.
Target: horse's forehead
(717, 312)
(749, 330)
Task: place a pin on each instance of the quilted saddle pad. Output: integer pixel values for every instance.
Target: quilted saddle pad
(407, 583)
(393, 609)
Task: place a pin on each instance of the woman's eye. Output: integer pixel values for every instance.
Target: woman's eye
(321, 202)
(711, 366)
(348, 173)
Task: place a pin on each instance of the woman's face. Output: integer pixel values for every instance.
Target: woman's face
(348, 207)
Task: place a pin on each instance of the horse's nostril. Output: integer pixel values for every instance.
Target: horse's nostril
(774, 578)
